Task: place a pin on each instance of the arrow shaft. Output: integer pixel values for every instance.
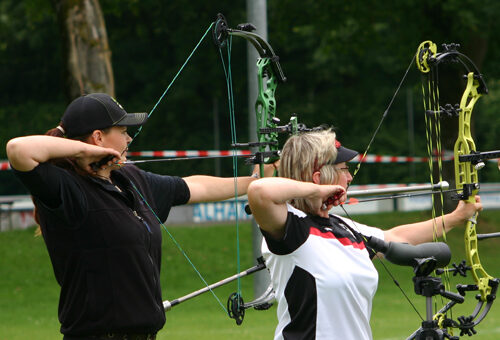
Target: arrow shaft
(372, 192)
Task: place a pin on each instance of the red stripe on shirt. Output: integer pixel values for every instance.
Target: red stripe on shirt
(343, 240)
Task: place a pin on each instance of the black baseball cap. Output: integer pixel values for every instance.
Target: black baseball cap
(97, 111)
(344, 154)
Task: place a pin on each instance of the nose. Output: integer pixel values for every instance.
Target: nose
(129, 139)
(349, 178)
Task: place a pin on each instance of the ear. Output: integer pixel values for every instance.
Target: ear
(316, 177)
(96, 138)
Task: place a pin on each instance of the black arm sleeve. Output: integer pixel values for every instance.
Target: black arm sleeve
(167, 191)
(55, 188)
(296, 233)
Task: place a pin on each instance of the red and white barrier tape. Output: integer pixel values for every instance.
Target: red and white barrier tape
(4, 165)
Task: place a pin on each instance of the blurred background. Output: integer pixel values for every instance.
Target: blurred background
(343, 60)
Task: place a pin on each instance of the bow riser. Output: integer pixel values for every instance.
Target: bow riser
(265, 109)
(466, 174)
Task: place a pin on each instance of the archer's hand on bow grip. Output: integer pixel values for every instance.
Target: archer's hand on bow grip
(466, 210)
(267, 170)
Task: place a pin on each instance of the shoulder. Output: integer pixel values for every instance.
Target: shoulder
(297, 230)
(295, 212)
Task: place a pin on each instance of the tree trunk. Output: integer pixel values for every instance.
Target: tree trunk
(86, 52)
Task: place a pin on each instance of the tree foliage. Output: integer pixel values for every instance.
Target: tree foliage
(343, 60)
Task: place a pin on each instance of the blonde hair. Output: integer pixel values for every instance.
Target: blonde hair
(306, 153)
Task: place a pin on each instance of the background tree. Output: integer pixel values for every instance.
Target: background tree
(86, 53)
(343, 61)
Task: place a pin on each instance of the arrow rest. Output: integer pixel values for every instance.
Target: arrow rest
(467, 190)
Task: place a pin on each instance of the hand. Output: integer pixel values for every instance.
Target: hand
(86, 160)
(466, 210)
(269, 169)
(328, 196)
(335, 200)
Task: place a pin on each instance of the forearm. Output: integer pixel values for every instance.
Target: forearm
(209, 188)
(420, 232)
(268, 197)
(280, 190)
(25, 153)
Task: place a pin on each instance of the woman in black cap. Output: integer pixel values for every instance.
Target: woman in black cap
(321, 269)
(101, 225)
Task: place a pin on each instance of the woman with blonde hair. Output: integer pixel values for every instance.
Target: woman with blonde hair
(321, 269)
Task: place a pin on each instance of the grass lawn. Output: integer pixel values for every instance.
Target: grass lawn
(29, 293)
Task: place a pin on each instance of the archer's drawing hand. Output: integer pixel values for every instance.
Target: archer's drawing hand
(89, 156)
(328, 197)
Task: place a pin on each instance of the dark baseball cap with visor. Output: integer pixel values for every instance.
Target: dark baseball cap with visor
(344, 154)
(97, 111)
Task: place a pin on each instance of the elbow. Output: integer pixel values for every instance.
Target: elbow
(258, 194)
(18, 154)
(256, 191)
(13, 148)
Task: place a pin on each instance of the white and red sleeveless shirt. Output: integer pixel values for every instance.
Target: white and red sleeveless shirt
(323, 277)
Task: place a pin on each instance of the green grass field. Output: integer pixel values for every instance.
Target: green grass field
(29, 293)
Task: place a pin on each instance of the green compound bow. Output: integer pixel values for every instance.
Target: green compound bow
(269, 74)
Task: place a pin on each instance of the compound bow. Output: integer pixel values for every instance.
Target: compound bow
(467, 163)
(269, 74)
